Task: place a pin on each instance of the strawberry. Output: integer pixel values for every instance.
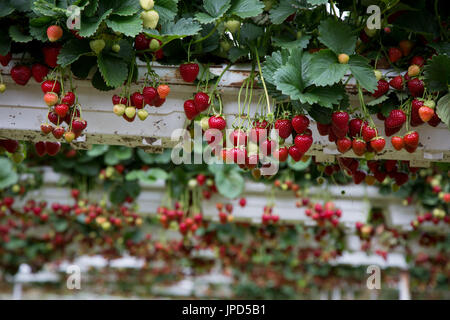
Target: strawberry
(426, 113)
(284, 128)
(119, 100)
(201, 101)
(435, 120)
(359, 176)
(417, 60)
(295, 153)
(380, 176)
(150, 19)
(46, 128)
(332, 137)
(397, 83)
(51, 55)
(54, 33)
(281, 154)
(378, 144)
(400, 178)
(368, 133)
(189, 71)
(339, 123)
(53, 117)
(394, 54)
(21, 74)
(137, 100)
(4, 60)
(163, 90)
(380, 116)
(52, 148)
(267, 146)
(303, 142)
(343, 144)
(323, 128)
(40, 148)
(410, 149)
(411, 139)
(355, 127)
(78, 124)
(390, 165)
(68, 116)
(69, 136)
(258, 134)
(373, 165)
(127, 118)
(150, 94)
(10, 145)
(39, 72)
(382, 88)
(405, 47)
(158, 102)
(416, 87)
(216, 122)
(68, 99)
(359, 146)
(413, 70)
(141, 42)
(397, 143)
(396, 119)
(58, 132)
(415, 117)
(50, 99)
(61, 110)
(300, 123)
(51, 86)
(238, 138)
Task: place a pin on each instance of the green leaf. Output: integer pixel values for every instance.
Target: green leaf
(363, 72)
(230, 183)
(38, 27)
(301, 43)
(167, 10)
(15, 244)
(5, 8)
(443, 109)
(89, 25)
(99, 83)
(123, 153)
(149, 176)
(236, 53)
(337, 36)
(171, 31)
(17, 35)
(145, 157)
(325, 69)
(298, 166)
(91, 8)
(418, 22)
(321, 114)
(72, 51)
(437, 73)
(127, 8)
(317, 2)
(88, 169)
(97, 150)
(324, 96)
(246, 8)
(378, 100)
(273, 63)
(215, 9)
(114, 70)
(5, 44)
(250, 32)
(440, 47)
(283, 10)
(130, 26)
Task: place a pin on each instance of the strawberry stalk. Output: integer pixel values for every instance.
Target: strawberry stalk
(262, 80)
(363, 106)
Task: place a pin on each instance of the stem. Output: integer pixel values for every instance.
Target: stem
(220, 78)
(262, 80)
(209, 34)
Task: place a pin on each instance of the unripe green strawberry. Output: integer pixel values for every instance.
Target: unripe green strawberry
(130, 112)
(142, 114)
(115, 47)
(233, 25)
(225, 45)
(299, 35)
(204, 123)
(154, 45)
(147, 4)
(2, 87)
(150, 19)
(119, 109)
(97, 45)
(378, 74)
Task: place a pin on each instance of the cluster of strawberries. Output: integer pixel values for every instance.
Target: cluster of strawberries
(177, 215)
(323, 213)
(268, 217)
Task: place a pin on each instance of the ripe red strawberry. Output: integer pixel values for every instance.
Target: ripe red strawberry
(397, 143)
(68, 116)
(339, 123)
(53, 117)
(416, 87)
(303, 142)
(51, 86)
(141, 42)
(137, 100)
(201, 101)
(359, 146)
(380, 176)
(390, 165)
(411, 139)
(69, 99)
(58, 132)
(359, 176)
(39, 72)
(300, 123)
(368, 133)
(378, 144)
(189, 71)
(323, 129)
(51, 55)
(238, 137)
(150, 94)
(417, 60)
(396, 119)
(400, 178)
(331, 136)
(426, 113)
(415, 117)
(343, 144)
(21, 74)
(410, 149)
(216, 122)
(284, 128)
(267, 147)
(52, 148)
(78, 124)
(61, 110)
(373, 165)
(119, 100)
(281, 154)
(46, 128)
(40, 148)
(158, 102)
(4, 60)
(395, 54)
(355, 127)
(10, 145)
(397, 83)
(382, 88)
(405, 47)
(189, 109)
(435, 120)
(54, 33)
(380, 116)
(295, 153)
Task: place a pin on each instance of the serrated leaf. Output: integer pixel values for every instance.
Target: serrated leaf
(301, 43)
(127, 7)
(170, 31)
(130, 26)
(250, 32)
(324, 96)
(72, 51)
(91, 8)
(283, 10)
(378, 100)
(363, 72)
(288, 78)
(215, 9)
(5, 9)
(273, 63)
(236, 53)
(325, 69)
(114, 70)
(437, 73)
(99, 83)
(167, 10)
(17, 35)
(246, 8)
(443, 109)
(337, 36)
(89, 25)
